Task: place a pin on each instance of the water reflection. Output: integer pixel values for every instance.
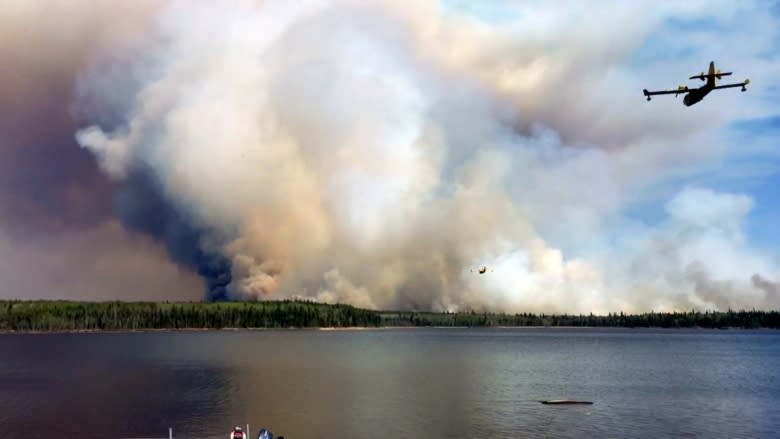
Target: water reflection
(397, 383)
(91, 385)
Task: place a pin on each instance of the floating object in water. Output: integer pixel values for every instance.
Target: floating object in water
(237, 433)
(564, 401)
(266, 434)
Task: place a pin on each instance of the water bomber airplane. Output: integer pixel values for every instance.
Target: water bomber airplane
(694, 95)
(481, 270)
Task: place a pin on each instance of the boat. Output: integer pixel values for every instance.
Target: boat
(564, 401)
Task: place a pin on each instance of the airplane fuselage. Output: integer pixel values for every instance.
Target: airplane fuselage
(696, 95)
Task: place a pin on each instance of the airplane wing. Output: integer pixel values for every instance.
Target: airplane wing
(741, 84)
(704, 76)
(680, 90)
(663, 92)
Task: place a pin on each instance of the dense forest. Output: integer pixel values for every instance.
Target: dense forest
(66, 315)
(692, 319)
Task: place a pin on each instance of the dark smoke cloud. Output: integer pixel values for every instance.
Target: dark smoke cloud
(59, 236)
(105, 262)
(141, 206)
(46, 181)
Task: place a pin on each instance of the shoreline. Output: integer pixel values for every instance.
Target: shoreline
(87, 317)
(345, 329)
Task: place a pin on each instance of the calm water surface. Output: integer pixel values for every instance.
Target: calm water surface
(406, 383)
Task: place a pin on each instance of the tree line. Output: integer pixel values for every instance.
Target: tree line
(693, 319)
(68, 315)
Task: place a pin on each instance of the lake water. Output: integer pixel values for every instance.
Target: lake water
(399, 383)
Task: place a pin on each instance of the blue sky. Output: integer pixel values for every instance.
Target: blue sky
(682, 45)
(752, 162)
(764, 133)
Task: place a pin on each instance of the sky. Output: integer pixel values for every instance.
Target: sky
(379, 152)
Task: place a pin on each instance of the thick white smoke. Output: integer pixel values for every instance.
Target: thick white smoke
(375, 152)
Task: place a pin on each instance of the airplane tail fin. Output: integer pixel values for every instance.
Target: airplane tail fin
(711, 75)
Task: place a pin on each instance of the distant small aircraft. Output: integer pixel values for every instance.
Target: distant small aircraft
(694, 95)
(482, 270)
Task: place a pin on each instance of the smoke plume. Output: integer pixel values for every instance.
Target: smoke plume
(379, 152)
(59, 237)
(372, 153)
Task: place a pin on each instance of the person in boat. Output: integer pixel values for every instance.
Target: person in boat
(238, 433)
